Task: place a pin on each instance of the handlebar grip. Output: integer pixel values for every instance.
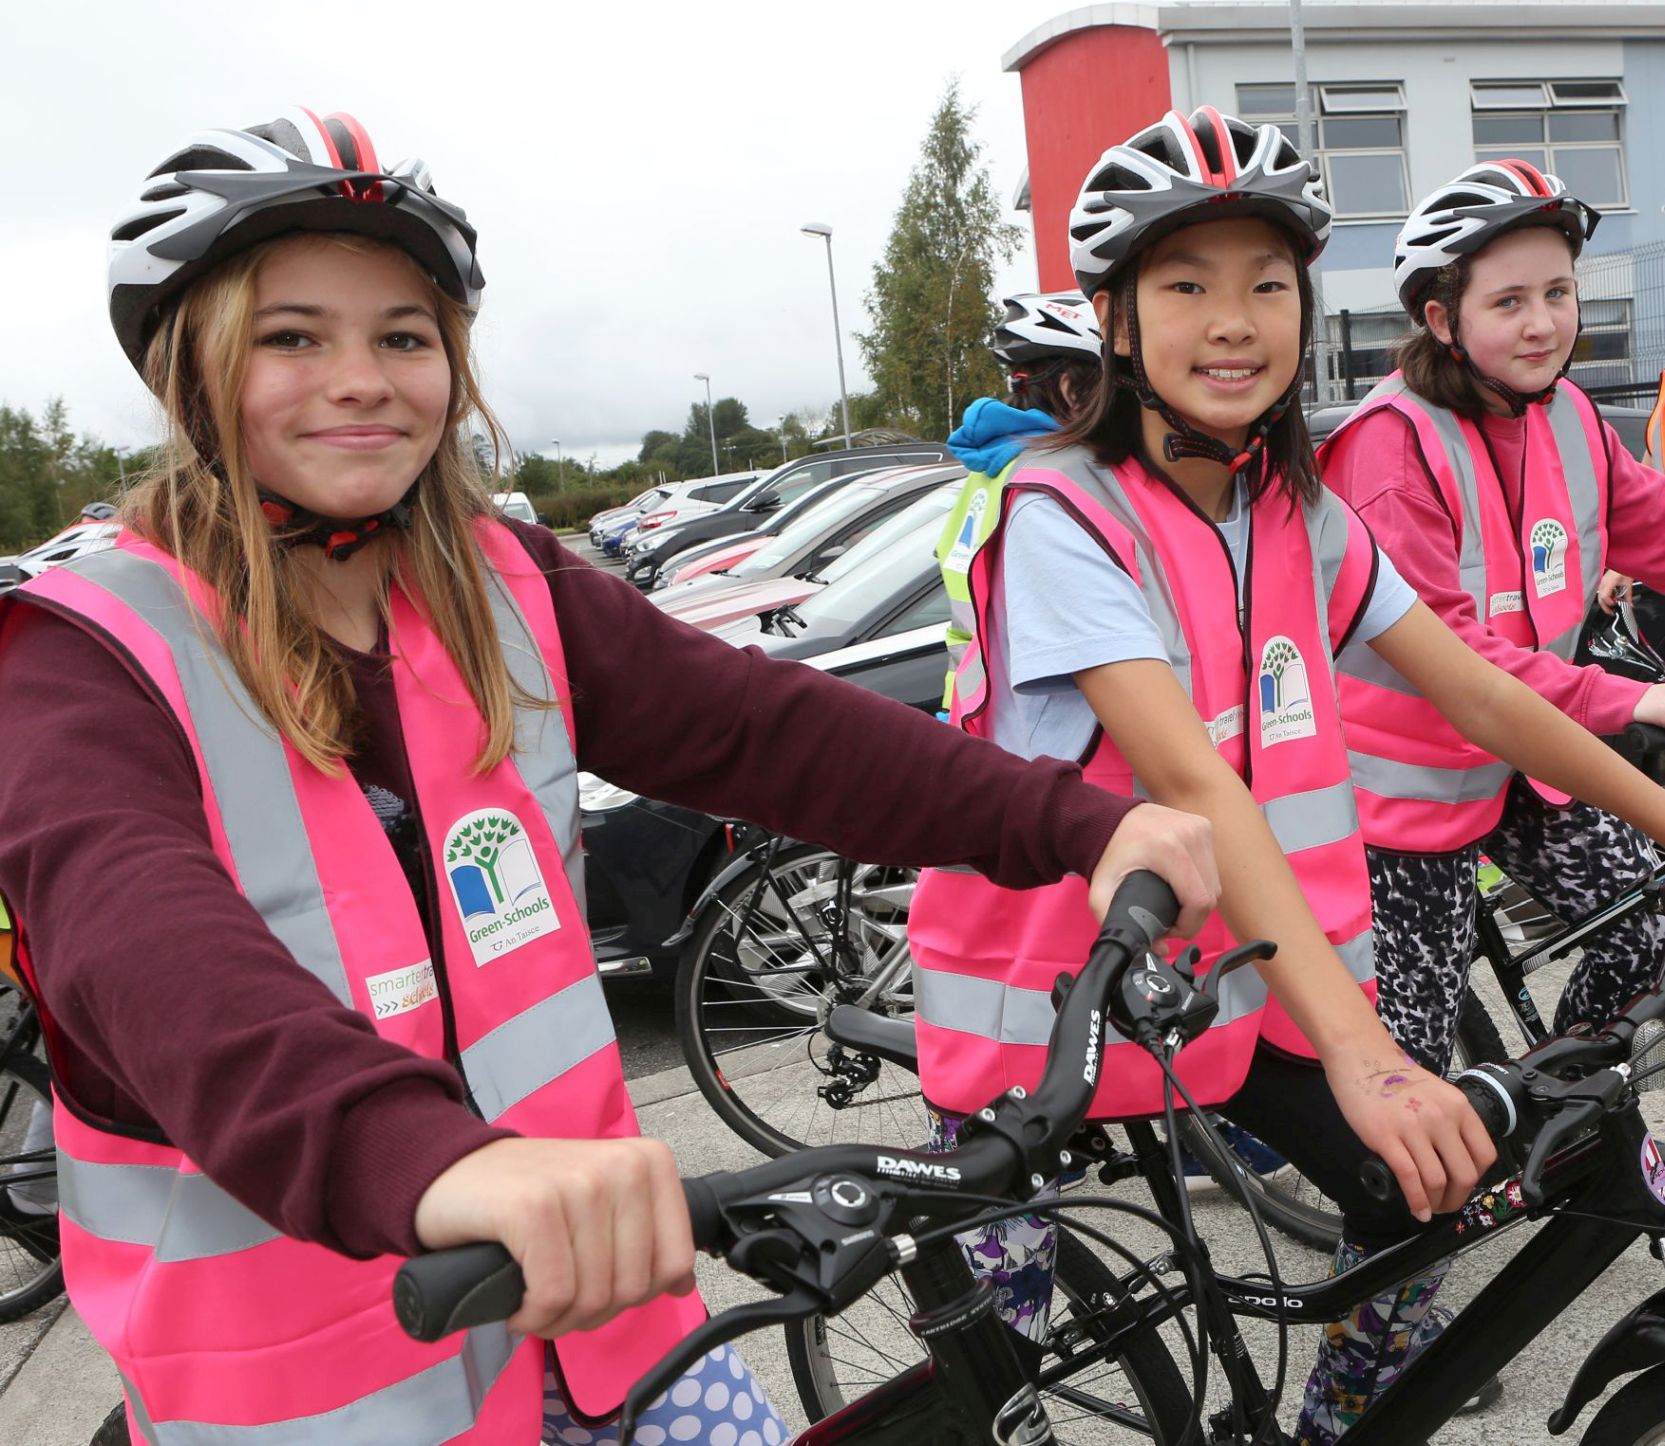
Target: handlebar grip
(704, 1213)
(1489, 1100)
(451, 1290)
(1643, 745)
(1144, 905)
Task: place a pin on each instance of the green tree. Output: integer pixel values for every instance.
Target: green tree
(930, 303)
(654, 443)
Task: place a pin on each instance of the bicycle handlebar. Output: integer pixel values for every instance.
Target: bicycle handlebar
(1643, 746)
(451, 1290)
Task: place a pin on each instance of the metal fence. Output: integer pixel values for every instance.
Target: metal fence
(1620, 352)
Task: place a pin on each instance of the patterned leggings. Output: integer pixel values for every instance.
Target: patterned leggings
(717, 1403)
(1571, 859)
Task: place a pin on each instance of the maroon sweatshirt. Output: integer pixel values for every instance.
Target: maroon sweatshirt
(183, 1018)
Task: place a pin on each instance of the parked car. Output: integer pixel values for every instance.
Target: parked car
(74, 541)
(673, 503)
(786, 569)
(648, 865)
(786, 483)
(608, 513)
(516, 505)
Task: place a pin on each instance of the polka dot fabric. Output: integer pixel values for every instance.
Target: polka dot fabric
(717, 1403)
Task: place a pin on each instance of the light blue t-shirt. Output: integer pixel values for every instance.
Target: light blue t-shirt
(1060, 605)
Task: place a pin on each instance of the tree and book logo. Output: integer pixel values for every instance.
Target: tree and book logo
(1549, 557)
(1285, 695)
(496, 881)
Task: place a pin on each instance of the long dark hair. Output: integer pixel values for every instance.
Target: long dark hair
(1108, 423)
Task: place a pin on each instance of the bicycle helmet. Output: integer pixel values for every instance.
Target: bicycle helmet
(1180, 171)
(1160, 179)
(1046, 326)
(1468, 214)
(224, 191)
(1475, 209)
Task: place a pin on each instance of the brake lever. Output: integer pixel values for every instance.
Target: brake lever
(1565, 1125)
(719, 1330)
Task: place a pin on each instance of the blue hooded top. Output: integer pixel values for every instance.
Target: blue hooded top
(992, 433)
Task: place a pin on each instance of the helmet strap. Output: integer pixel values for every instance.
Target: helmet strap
(1517, 402)
(1185, 442)
(294, 526)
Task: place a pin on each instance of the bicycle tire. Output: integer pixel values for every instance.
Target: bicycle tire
(749, 1011)
(31, 1264)
(1633, 1416)
(1151, 1376)
(1479, 1041)
(113, 1431)
(1288, 1202)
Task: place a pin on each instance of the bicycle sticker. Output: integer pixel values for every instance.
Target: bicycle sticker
(1653, 1168)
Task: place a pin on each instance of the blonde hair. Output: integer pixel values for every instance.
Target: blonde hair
(199, 503)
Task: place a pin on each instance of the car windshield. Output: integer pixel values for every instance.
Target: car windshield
(891, 568)
(824, 514)
(926, 513)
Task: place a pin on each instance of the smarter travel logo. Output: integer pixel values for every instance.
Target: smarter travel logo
(1285, 696)
(497, 884)
(1549, 557)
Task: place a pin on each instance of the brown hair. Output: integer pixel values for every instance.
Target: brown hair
(1108, 421)
(198, 502)
(1430, 370)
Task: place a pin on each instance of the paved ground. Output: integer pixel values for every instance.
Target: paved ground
(55, 1386)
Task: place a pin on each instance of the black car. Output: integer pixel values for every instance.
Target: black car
(786, 483)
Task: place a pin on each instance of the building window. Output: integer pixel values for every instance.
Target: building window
(1361, 140)
(1566, 128)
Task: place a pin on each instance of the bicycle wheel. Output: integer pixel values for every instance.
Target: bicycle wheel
(761, 974)
(1633, 1416)
(1478, 1039)
(1288, 1201)
(1138, 1394)
(31, 1271)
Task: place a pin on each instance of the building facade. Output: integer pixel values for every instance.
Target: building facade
(1404, 95)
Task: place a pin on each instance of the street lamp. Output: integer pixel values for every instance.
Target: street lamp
(780, 432)
(560, 465)
(821, 229)
(710, 420)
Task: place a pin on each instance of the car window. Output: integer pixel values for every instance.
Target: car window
(931, 608)
(521, 510)
(882, 575)
(807, 528)
(927, 513)
(722, 491)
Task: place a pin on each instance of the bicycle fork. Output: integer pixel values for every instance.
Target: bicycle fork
(1248, 1393)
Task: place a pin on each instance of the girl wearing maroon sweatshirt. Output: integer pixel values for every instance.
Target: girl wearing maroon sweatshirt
(303, 315)
(1501, 496)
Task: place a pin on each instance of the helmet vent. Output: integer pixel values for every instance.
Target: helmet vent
(139, 225)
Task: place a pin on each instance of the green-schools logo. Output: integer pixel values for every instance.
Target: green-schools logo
(497, 884)
(1549, 557)
(1284, 694)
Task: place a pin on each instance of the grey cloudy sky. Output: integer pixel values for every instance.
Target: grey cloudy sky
(638, 173)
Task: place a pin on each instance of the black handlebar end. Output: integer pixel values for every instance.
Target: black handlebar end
(1143, 904)
(704, 1213)
(451, 1290)
(1378, 1181)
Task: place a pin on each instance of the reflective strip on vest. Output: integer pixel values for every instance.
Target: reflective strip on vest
(538, 1045)
(179, 1216)
(543, 752)
(1313, 818)
(431, 1407)
(1010, 1014)
(1388, 779)
(246, 767)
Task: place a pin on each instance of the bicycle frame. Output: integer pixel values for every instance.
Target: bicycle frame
(1525, 1297)
(1512, 969)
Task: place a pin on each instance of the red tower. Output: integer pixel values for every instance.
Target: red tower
(1088, 82)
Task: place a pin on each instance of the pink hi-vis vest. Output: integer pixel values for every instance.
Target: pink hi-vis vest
(986, 957)
(1531, 561)
(224, 1330)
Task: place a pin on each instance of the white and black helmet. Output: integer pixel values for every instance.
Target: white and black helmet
(1161, 178)
(1470, 212)
(1046, 326)
(224, 191)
